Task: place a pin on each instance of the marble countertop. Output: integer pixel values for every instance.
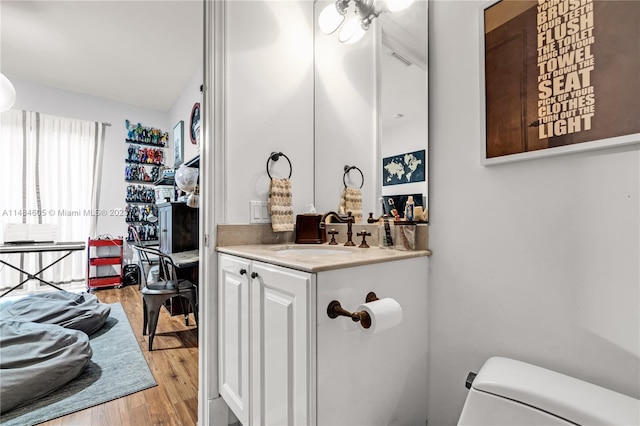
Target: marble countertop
(318, 257)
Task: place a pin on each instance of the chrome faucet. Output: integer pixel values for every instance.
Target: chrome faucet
(342, 219)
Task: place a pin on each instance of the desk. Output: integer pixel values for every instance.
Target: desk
(186, 268)
(186, 264)
(185, 259)
(38, 248)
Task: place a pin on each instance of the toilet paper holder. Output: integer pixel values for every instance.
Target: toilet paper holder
(335, 310)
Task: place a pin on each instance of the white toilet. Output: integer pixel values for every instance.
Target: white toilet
(509, 392)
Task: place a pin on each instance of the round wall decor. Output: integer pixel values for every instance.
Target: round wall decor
(194, 127)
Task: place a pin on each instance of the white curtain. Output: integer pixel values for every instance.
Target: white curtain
(50, 177)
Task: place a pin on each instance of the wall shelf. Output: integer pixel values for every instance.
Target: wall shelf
(145, 153)
(144, 163)
(143, 182)
(145, 143)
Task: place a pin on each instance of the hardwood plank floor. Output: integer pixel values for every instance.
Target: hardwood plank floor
(173, 363)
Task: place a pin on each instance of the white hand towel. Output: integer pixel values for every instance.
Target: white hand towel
(351, 201)
(280, 205)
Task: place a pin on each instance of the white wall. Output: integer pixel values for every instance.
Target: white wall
(181, 110)
(537, 260)
(269, 101)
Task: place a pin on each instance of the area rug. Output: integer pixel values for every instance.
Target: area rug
(117, 368)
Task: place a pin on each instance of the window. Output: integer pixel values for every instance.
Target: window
(51, 175)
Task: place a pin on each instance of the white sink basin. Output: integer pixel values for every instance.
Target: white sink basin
(310, 251)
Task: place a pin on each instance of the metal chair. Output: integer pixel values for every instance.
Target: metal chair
(149, 265)
(155, 294)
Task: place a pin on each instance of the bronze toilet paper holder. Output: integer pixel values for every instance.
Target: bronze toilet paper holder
(335, 310)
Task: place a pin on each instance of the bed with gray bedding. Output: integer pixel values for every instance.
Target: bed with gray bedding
(44, 343)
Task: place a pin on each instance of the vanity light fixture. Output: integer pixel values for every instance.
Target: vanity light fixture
(333, 16)
(7, 93)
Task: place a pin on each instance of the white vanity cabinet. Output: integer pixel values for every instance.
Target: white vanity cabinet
(284, 361)
(267, 338)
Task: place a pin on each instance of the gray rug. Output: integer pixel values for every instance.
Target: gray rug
(116, 369)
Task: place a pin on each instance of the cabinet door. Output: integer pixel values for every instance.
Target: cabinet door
(233, 334)
(283, 346)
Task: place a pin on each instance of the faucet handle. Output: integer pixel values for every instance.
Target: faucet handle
(364, 234)
(333, 241)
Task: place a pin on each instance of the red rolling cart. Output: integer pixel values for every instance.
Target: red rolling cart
(105, 254)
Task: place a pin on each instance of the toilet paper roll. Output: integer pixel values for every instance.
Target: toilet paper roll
(384, 313)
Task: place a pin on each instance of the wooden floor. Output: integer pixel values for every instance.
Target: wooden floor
(173, 362)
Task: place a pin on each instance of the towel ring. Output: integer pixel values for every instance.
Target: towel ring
(347, 169)
(275, 156)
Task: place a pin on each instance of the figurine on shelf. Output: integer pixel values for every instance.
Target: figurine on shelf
(155, 173)
(137, 133)
(151, 195)
(155, 136)
(130, 172)
(152, 232)
(130, 130)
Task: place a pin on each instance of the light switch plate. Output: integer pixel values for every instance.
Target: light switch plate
(259, 212)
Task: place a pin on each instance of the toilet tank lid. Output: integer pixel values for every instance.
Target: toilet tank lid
(563, 396)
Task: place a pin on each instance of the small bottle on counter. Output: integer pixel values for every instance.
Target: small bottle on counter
(409, 209)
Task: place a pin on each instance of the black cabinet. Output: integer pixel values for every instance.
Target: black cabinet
(178, 227)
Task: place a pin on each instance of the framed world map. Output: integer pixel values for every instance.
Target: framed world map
(403, 168)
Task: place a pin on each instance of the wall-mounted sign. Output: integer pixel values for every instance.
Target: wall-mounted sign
(559, 76)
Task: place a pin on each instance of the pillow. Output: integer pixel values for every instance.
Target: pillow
(36, 359)
(77, 311)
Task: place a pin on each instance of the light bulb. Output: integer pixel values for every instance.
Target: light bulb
(352, 31)
(330, 19)
(7, 93)
(398, 5)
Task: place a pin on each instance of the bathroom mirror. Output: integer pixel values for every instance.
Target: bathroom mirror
(371, 110)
